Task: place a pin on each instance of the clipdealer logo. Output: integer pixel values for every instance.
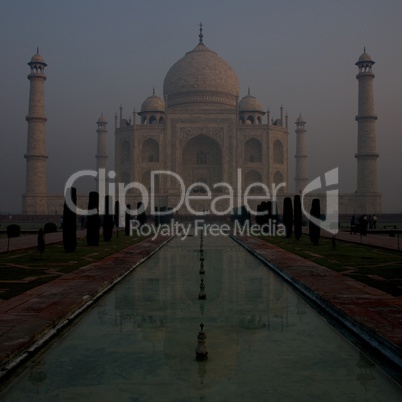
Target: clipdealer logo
(205, 193)
(331, 180)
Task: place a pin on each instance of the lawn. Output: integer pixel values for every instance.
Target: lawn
(22, 270)
(373, 266)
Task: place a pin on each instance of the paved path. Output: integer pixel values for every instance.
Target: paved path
(31, 240)
(384, 241)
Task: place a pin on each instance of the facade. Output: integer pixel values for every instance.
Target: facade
(200, 134)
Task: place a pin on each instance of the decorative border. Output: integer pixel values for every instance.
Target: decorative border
(217, 133)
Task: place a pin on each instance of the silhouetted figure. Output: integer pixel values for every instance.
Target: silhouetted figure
(374, 222)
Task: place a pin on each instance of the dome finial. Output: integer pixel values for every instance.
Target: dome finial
(37, 50)
(248, 91)
(364, 49)
(153, 90)
(200, 35)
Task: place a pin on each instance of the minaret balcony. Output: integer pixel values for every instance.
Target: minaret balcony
(30, 118)
(370, 155)
(366, 117)
(37, 75)
(365, 74)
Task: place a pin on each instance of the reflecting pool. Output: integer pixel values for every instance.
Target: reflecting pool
(264, 342)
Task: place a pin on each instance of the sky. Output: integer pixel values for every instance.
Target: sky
(102, 54)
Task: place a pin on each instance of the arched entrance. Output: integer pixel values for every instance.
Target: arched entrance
(252, 151)
(202, 161)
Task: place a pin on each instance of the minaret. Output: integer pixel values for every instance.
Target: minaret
(301, 178)
(101, 155)
(368, 199)
(34, 201)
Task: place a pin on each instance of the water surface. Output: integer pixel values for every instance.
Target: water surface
(264, 343)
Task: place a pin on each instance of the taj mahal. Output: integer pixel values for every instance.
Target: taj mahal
(202, 131)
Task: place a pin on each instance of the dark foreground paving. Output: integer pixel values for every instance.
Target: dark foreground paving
(31, 240)
(375, 316)
(371, 239)
(32, 318)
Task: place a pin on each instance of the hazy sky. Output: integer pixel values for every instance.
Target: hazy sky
(102, 53)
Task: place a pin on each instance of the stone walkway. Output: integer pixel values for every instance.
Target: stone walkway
(31, 240)
(383, 241)
(39, 314)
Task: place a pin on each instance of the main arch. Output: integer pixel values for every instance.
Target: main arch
(201, 161)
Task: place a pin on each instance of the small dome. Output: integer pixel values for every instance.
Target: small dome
(153, 104)
(250, 103)
(37, 58)
(300, 119)
(102, 119)
(365, 57)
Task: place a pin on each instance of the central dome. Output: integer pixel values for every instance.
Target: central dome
(201, 79)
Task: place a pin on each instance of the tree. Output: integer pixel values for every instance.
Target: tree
(315, 230)
(266, 208)
(108, 219)
(41, 242)
(127, 218)
(297, 217)
(117, 217)
(273, 216)
(259, 214)
(49, 227)
(141, 216)
(93, 221)
(262, 217)
(156, 217)
(288, 216)
(13, 230)
(70, 222)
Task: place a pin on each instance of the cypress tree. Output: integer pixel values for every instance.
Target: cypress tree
(41, 242)
(259, 214)
(263, 219)
(93, 221)
(70, 223)
(108, 219)
(117, 217)
(273, 215)
(315, 230)
(127, 217)
(297, 217)
(141, 215)
(13, 230)
(266, 209)
(288, 216)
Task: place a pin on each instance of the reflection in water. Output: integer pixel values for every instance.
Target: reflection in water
(263, 342)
